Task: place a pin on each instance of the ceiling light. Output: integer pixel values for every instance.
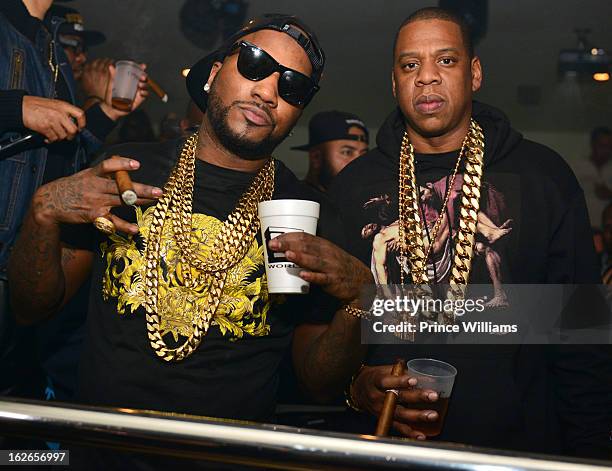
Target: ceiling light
(585, 61)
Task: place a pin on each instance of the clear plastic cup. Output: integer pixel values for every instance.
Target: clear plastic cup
(437, 376)
(279, 217)
(125, 86)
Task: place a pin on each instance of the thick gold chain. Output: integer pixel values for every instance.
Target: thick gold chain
(230, 246)
(410, 226)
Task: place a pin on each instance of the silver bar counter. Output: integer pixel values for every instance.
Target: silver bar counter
(252, 444)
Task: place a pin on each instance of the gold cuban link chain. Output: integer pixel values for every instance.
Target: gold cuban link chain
(410, 225)
(230, 246)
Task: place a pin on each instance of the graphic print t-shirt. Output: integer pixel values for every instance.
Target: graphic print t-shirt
(441, 223)
(233, 372)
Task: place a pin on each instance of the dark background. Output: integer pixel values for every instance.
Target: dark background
(520, 49)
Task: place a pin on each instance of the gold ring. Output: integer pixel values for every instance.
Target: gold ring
(105, 225)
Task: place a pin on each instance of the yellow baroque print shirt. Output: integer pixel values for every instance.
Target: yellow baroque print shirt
(245, 302)
(234, 373)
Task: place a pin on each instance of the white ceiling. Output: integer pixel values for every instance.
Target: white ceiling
(521, 48)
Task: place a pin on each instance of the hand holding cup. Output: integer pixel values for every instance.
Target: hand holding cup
(319, 261)
(371, 386)
(126, 90)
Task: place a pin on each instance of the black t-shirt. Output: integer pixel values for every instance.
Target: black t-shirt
(234, 371)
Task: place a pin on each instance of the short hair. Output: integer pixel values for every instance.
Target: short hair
(598, 132)
(436, 13)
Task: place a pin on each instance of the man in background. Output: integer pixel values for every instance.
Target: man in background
(172, 127)
(595, 173)
(37, 97)
(335, 138)
(91, 76)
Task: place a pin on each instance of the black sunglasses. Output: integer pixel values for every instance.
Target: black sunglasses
(256, 64)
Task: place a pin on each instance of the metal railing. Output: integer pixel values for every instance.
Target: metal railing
(258, 445)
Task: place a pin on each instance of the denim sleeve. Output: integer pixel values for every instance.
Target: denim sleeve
(11, 102)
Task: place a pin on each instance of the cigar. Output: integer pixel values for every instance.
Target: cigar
(388, 410)
(159, 91)
(126, 188)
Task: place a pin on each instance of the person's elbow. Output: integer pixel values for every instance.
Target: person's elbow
(26, 309)
(26, 315)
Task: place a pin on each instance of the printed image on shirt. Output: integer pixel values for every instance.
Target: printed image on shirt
(245, 301)
(492, 227)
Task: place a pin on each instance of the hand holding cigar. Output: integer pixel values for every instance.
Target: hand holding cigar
(388, 409)
(126, 187)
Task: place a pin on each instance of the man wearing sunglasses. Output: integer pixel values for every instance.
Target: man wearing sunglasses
(74, 38)
(43, 137)
(180, 319)
(91, 76)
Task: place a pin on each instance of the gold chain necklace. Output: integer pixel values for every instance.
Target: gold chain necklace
(410, 225)
(53, 63)
(436, 228)
(230, 246)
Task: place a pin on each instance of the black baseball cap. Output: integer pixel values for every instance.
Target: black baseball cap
(289, 24)
(74, 25)
(333, 126)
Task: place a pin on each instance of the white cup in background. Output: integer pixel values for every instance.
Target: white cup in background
(279, 217)
(125, 86)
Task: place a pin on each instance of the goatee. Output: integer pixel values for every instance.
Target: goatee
(238, 144)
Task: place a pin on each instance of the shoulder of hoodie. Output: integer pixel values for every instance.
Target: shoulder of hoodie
(542, 161)
(526, 157)
(287, 182)
(363, 169)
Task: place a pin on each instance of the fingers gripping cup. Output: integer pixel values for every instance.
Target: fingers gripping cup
(437, 376)
(279, 217)
(125, 86)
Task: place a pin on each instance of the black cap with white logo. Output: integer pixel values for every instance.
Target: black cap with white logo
(333, 126)
(73, 25)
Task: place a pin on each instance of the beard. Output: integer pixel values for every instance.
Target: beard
(238, 143)
(325, 176)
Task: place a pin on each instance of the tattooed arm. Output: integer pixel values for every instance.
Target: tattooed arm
(43, 274)
(326, 356)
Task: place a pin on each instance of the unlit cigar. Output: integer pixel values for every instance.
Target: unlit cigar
(388, 409)
(126, 187)
(159, 91)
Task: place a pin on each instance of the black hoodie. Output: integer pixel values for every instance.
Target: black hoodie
(534, 229)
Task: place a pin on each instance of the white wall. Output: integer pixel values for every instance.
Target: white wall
(574, 147)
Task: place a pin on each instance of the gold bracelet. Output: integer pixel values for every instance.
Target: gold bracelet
(348, 392)
(356, 312)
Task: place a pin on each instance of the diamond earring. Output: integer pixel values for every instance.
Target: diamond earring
(206, 88)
